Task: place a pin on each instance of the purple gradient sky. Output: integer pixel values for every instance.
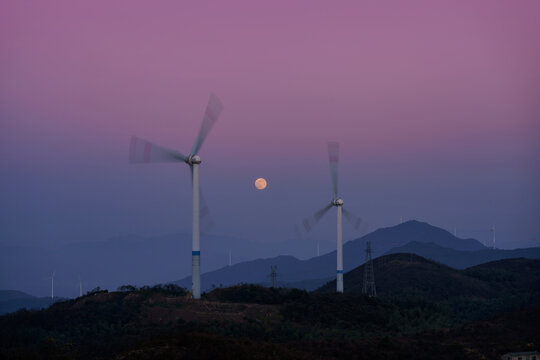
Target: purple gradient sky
(436, 106)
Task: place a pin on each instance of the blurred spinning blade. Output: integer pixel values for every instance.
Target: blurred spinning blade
(310, 222)
(353, 219)
(211, 115)
(142, 151)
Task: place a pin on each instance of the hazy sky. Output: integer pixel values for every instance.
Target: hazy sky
(435, 104)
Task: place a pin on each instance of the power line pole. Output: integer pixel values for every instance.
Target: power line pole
(369, 277)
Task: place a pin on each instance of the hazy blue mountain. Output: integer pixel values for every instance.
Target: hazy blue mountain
(385, 239)
(463, 259)
(311, 273)
(13, 300)
(308, 274)
(315, 270)
(7, 295)
(150, 260)
(127, 260)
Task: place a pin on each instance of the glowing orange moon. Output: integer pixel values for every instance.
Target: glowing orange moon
(260, 184)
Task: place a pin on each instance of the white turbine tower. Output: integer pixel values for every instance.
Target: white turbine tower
(80, 286)
(142, 151)
(333, 155)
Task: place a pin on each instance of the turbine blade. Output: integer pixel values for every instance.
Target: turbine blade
(213, 109)
(205, 219)
(333, 156)
(310, 222)
(353, 219)
(142, 151)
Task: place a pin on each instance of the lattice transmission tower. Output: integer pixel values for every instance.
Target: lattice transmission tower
(369, 277)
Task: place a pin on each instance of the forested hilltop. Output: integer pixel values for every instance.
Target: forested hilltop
(253, 322)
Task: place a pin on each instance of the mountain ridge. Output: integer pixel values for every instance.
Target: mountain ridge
(324, 266)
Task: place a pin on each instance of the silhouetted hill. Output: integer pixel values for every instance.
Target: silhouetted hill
(475, 292)
(511, 275)
(253, 322)
(413, 275)
(462, 259)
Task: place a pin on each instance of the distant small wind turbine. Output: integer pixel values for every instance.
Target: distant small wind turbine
(333, 155)
(80, 286)
(52, 284)
(493, 231)
(142, 151)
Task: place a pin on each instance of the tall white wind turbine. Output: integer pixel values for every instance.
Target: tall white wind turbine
(333, 155)
(142, 151)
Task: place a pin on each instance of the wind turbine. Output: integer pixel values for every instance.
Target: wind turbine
(333, 156)
(80, 286)
(142, 151)
(52, 284)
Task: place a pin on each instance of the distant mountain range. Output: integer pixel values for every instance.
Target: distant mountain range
(129, 259)
(312, 273)
(141, 261)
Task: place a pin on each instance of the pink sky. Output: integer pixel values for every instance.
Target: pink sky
(414, 89)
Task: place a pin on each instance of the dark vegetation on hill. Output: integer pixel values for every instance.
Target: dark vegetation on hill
(253, 322)
(469, 294)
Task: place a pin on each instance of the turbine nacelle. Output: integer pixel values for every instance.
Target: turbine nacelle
(194, 159)
(338, 202)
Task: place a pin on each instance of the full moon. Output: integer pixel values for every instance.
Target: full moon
(260, 184)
